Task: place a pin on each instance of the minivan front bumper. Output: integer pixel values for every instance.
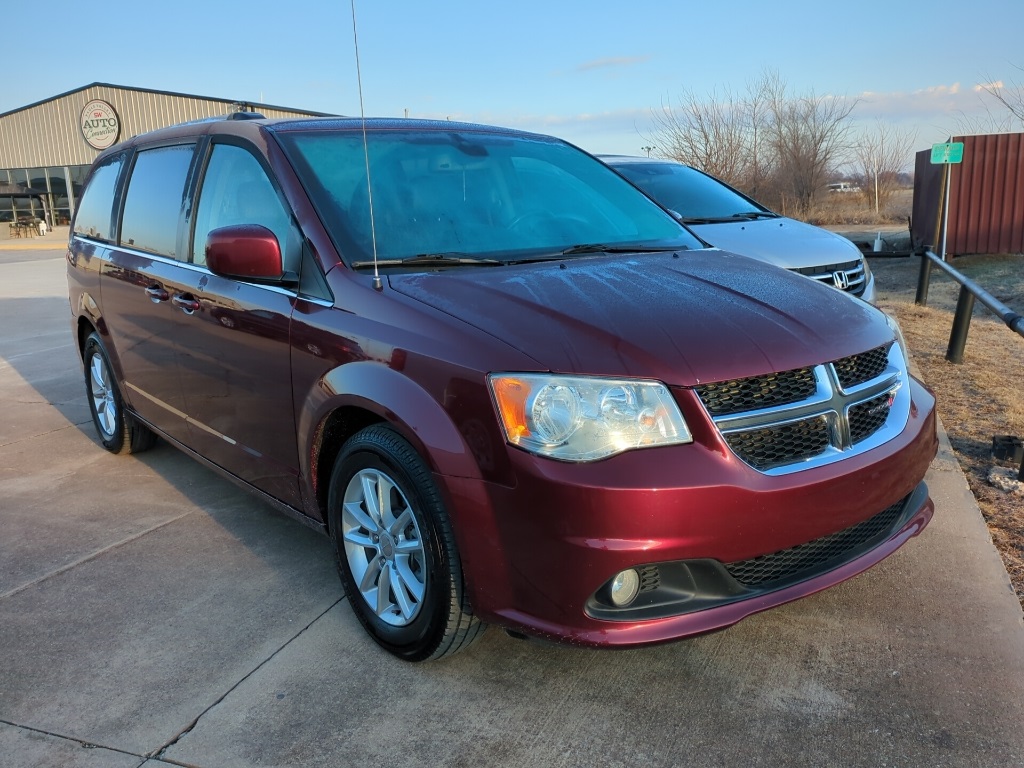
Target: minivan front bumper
(538, 556)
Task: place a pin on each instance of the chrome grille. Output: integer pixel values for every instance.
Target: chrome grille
(780, 444)
(810, 556)
(857, 369)
(868, 417)
(749, 394)
(852, 274)
(793, 420)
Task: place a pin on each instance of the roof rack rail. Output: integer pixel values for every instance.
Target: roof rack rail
(228, 116)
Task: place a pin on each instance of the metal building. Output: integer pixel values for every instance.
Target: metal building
(986, 197)
(47, 147)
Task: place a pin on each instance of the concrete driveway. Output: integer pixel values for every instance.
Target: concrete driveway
(153, 614)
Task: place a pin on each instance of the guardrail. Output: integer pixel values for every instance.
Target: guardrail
(964, 305)
(962, 319)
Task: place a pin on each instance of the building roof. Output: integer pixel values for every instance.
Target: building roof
(52, 132)
(245, 105)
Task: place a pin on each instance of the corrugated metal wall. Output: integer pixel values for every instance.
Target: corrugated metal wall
(986, 213)
(48, 134)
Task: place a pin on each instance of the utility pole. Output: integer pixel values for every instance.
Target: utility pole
(876, 189)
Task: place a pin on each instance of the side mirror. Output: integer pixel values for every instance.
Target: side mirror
(245, 252)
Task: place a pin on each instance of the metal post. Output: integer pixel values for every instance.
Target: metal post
(961, 324)
(945, 215)
(923, 279)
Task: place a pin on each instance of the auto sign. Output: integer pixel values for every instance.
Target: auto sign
(100, 124)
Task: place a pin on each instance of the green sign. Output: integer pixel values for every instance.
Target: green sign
(944, 154)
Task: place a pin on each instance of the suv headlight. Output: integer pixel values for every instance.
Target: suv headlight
(582, 418)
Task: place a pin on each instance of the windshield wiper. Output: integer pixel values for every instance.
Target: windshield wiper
(706, 219)
(451, 259)
(621, 248)
(747, 215)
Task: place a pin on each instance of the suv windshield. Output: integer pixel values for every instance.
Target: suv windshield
(471, 195)
(688, 192)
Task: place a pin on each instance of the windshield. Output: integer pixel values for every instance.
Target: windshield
(688, 192)
(471, 195)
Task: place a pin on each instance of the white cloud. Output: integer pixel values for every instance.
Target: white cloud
(929, 102)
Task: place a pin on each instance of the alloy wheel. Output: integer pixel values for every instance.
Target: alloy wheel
(384, 547)
(102, 391)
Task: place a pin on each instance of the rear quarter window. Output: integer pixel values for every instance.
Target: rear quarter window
(95, 208)
(153, 202)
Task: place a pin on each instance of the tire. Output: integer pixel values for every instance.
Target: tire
(118, 431)
(397, 558)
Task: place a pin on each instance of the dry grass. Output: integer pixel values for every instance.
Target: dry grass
(983, 396)
(855, 209)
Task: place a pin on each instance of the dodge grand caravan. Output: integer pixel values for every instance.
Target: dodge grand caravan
(511, 388)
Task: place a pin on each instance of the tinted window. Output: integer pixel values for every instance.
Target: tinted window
(688, 192)
(236, 190)
(96, 203)
(153, 202)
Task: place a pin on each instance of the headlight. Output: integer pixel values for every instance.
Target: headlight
(579, 418)
(902, 342)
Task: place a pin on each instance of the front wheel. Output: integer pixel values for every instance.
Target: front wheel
(396, 551)
(117, 430)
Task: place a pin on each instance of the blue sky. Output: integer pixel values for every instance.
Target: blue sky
(590, 72)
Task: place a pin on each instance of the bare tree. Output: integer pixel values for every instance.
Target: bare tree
(1004, 109)
(881, 155)
(720, 135)
(810, 136)
(760, 95)
(992, 122)
(773, 147)
(710, 135)
(1010, 97)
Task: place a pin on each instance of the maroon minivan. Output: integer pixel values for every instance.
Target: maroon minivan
(510, 387)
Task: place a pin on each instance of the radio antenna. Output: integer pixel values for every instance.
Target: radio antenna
(377, 284)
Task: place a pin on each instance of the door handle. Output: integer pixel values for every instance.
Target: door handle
(186, 302)
(157, 294)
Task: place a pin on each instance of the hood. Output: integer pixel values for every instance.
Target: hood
(783, 242)
(697, 317)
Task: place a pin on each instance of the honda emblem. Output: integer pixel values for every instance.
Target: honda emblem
(841, 280)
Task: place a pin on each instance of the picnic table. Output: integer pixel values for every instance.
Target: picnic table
(27, 228)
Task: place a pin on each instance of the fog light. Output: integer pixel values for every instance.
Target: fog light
(625, 587)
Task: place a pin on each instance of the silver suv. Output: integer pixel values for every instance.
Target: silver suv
(729, 220)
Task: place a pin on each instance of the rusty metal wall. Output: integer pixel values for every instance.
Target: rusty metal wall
(986, 198)
(48, 133)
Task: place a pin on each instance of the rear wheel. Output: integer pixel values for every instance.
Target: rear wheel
(396, 551)
(117, 430)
